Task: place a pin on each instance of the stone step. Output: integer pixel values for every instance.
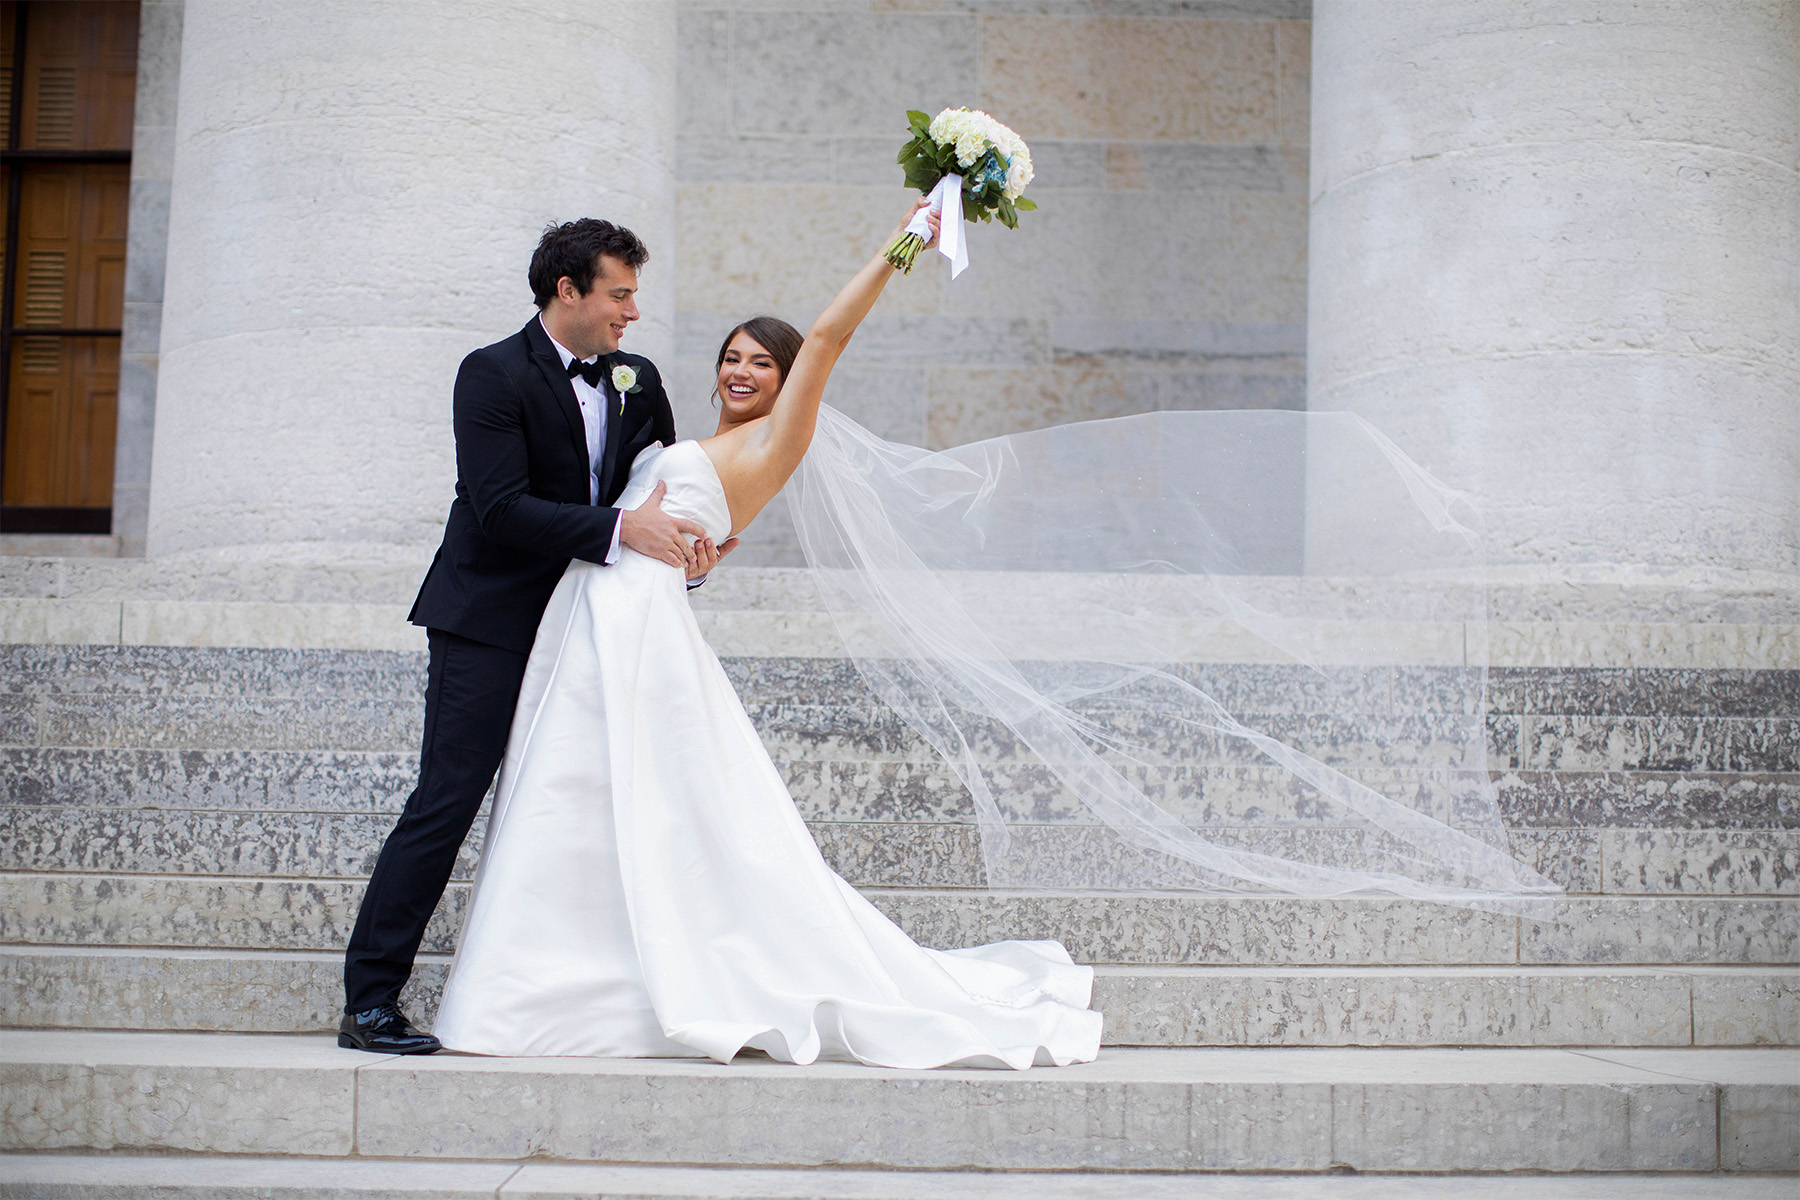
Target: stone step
(301, 992)
(904, 852)
(1548, 719)
(229, 1177)
(867, 731)
(1269, 1109)
(1571, 806)
(215, 912)
(863, 731)
(786, 625)
(201, 671)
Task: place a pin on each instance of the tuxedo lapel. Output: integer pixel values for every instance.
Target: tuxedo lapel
(556, 378)
(615, 413)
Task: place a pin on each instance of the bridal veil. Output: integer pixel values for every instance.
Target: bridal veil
(1224, 652)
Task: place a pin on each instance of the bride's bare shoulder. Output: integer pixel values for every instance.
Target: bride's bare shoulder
(740, 456)
(734, 447)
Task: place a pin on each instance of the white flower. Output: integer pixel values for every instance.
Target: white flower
(1018, 172)
(624, 379)
(973, 133)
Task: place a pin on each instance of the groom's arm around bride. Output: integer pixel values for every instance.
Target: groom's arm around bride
(543, 447)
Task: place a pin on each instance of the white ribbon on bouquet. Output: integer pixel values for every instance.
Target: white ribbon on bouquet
(946, 200)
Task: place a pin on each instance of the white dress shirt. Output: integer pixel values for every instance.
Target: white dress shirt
(593, 420)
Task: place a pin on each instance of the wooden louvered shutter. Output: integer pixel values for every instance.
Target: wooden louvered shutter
(68, 125)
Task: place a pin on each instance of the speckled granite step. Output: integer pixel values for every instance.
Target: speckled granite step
(1541, 718)
(241, 1177)
(1134, 1110)
(902, 852)
(288, 914)
(867, 732)
(302, 992)
(202, 670)
(1543, 639)
(864, 732)
(344, 845)
(218, 727)
(378, 781)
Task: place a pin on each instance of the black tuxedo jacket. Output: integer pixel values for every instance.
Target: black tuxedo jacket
(521, 510)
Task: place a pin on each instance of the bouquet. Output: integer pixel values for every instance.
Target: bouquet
(971, 165)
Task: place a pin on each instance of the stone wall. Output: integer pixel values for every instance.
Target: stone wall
(1166, 268)
(356, 192)
(1555, 253)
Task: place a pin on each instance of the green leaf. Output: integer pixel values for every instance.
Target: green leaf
(918, 120)
(1024, 205)
(922, 175)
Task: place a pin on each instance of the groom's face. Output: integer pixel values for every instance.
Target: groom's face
(598, 320)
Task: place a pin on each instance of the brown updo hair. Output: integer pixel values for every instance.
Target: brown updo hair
(773, 334)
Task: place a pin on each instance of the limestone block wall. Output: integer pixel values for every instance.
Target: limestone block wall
(1555, 253)
(1166, 268)
(356, 192)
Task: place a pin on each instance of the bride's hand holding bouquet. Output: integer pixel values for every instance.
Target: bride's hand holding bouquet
(922, 210)
(968, 164)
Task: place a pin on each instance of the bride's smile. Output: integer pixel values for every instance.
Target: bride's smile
(749, 379)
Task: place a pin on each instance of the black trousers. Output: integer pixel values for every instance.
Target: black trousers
(470, 693)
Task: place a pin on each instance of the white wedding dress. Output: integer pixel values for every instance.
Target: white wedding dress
(647, 888)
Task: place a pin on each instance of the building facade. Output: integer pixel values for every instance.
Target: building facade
(1243, 204)
(1550, 247)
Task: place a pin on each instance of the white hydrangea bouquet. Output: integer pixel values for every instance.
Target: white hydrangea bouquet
(968, 163)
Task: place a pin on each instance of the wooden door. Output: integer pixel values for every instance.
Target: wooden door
(68, 183)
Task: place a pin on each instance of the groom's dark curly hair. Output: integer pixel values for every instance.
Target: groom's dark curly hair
(574, 249)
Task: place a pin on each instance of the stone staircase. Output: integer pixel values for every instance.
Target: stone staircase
(186, 828)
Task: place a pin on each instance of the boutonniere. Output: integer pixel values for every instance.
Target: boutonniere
(624, 381)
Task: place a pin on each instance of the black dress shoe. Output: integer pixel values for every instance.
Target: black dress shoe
(384, 1030)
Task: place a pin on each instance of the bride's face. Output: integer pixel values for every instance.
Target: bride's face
(748, 379)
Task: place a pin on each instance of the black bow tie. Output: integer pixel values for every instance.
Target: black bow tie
(593, 372)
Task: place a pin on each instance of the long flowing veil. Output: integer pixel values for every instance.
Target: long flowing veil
(1225, 652)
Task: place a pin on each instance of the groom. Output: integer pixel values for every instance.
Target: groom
(544, 445)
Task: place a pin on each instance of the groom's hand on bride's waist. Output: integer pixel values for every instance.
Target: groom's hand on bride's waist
(655, 534)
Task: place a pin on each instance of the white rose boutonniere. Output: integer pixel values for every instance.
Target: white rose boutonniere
(624, 381)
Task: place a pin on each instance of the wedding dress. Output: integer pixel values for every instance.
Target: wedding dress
(648, 889)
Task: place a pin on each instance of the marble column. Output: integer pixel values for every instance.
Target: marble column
(1555, 253)
(146, 257)
(356, 192)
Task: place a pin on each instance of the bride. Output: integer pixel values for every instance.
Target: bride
(647, 887)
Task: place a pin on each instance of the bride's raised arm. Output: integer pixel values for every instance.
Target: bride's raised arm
(796, 409)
